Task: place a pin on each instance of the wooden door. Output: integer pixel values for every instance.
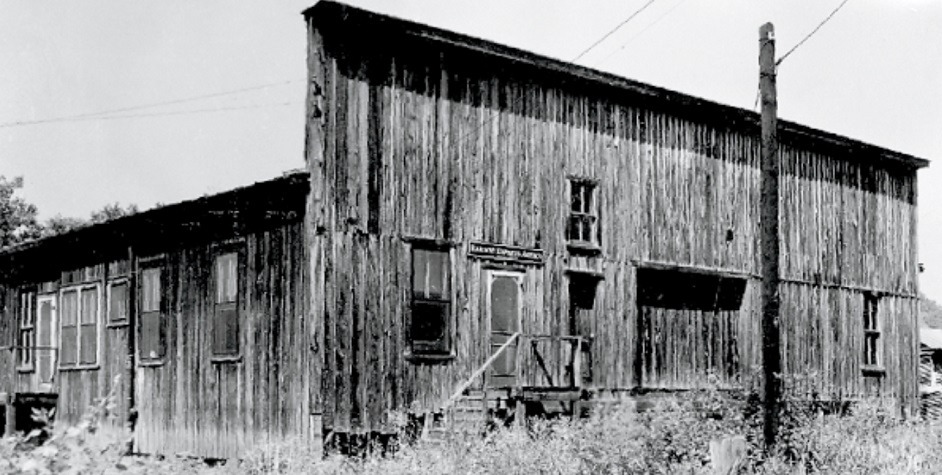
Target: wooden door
(504, 298)
(46, 341)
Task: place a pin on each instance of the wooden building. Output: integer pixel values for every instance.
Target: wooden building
(498, 229)
(480, 231)
(199, 307)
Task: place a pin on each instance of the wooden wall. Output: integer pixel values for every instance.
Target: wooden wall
(440, 142)
(193, 404)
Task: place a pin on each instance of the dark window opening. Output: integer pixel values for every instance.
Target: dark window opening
(118, 302)
(430, 330)
(872, 354)
(687, 290)
(582, 226)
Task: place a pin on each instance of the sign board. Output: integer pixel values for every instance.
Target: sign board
(500, 252)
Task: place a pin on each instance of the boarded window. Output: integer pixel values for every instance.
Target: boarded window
(431, 301)
(226, 315)
(118, 302)
(582, 227)
(79, 335)
(872, 354)
(27, 331)
(151, 343)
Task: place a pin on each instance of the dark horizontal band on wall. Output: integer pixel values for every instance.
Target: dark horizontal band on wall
(429, 242)
(428, 358)
(870, 370)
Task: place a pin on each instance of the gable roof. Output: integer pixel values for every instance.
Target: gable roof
(351, 20)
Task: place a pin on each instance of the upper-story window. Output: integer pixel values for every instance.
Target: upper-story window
(583, 225)
(226, 310)
(431, 330)
(872, 349)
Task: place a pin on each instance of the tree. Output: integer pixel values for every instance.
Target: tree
(17, 217)
(112, 211)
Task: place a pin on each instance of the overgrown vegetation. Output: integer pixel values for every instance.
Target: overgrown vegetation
(672, 438)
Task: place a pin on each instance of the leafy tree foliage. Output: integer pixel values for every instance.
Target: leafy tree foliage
(19, 222)
(17, 217)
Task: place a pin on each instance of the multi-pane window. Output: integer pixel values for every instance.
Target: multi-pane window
(431, 301)
(226, 315)
(583, 222)
(79, 331)
(27, 331)
(118, 302)
(151, 344)
(872, 354)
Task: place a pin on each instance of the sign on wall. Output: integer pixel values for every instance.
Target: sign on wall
(500, 252)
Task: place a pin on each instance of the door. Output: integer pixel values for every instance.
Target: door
(46, 341)
(503, 307)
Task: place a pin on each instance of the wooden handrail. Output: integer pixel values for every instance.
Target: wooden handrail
(461, 389)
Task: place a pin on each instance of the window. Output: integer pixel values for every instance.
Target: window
(226, 315)
(430, 330)
(152, 337)
(118, 302)
(27, 331)
(872, 354)
(79, 333)
(583, 223)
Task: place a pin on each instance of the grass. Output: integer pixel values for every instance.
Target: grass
(672, 438)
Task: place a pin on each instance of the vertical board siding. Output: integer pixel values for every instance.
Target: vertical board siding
(190, 404)
(474, 154)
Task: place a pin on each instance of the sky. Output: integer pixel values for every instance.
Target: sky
(873, 73)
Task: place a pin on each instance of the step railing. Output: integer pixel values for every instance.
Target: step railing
(558, 358)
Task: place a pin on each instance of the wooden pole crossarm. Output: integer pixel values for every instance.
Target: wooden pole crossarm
(461, 389)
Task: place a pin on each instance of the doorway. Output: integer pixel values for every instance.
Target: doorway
(504, 289)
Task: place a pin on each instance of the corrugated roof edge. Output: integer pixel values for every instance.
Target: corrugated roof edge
(341, 12)
(288, 177)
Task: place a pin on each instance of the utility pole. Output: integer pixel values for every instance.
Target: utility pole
(769, 224)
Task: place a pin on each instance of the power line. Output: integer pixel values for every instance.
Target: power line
(147, 106)
(815, 30)
(655, 22)
(580, 55)
(612, 31)
(184, 112)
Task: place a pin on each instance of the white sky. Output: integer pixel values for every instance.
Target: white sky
(874, 73)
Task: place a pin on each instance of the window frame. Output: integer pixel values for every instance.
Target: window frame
(80, 290)
(157, 265)
(589, 211)
(238, 249)
(872, 361)
(444, 348)
(127, 311)
(26, 327)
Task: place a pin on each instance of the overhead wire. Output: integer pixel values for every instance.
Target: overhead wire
(652, 24)
(809, 35)
(577, 58)
(80, 117)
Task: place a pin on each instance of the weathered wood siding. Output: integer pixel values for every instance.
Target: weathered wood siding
(193, 404)
(418, 138)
